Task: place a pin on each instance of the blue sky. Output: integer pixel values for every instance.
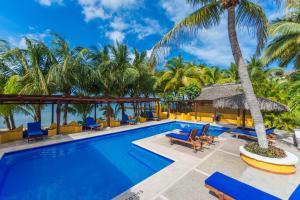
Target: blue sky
(138, 23)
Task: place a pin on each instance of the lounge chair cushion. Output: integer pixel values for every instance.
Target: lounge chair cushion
(268, 131)
(296, 194)
(178, 136)
(131, 121)
(35, 133)
(235, 188)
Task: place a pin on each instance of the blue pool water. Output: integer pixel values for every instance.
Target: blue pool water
(97, 168)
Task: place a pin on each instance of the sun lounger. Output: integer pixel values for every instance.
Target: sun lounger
(250, 133)
(202, 134)
(91, 123)
(226, 187)
(125, 119)
(34, 130)
(150, 116)
(229, 188)
(187, 139)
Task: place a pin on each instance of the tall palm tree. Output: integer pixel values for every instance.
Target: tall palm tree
(243, 13)
(31, 65)
(65, 73)
(285, 47)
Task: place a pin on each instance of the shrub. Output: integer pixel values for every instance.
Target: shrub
(271, 151)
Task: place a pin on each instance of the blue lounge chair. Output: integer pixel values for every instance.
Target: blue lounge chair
(187, 139)
(229, 188)
(150, 116)
(202, 134)
(250, 133)
(91, 123)
(34, 130)
(126, 120)
(226, 187)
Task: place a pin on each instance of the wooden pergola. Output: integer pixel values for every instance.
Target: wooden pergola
(59, 100)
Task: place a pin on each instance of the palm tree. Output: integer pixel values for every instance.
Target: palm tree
(232, 74)
(285, 47)
(179, 74)
(239, 12)
(31, 65)
(213, 75)
(65, 73)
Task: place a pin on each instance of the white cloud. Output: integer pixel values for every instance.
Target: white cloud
(116, 4)
(141, 29)
(118, 24)
(115, 36)
(147, 27)
(212, 45)
(93, 12)
(20, 42)
(49, 2)
(102, 9)
(176, 9)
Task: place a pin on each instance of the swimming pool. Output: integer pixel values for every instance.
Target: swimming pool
(95, 168)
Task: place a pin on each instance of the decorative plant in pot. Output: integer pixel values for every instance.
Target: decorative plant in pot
(271, 159)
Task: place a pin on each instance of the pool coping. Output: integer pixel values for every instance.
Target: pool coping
(78, 137)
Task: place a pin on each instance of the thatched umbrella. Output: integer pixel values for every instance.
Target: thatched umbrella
(238, 102)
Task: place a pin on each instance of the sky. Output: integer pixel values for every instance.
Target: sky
(138, 23)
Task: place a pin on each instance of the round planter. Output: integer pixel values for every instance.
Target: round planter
(274, 165)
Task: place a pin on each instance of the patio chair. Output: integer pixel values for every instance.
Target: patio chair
(91, 123)
(187, 139)
(126, 120)
(150, 116)
(250, 133)
(202, 134)
(34, 131)
(226, 187)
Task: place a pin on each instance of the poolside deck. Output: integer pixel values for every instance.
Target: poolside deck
(184, 179)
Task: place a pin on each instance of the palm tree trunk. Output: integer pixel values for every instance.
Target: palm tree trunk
(12, 121)
(245, 80)
(7, 122)
(37, 113)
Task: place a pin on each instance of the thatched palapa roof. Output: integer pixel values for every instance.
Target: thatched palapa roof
(239, 102)
(219, 91)
(231, 96)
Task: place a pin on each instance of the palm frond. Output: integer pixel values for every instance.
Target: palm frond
(204, 17)
(252, 16)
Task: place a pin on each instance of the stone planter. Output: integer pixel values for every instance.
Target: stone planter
(285, 165)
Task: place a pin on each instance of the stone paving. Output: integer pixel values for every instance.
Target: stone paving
(224, 157)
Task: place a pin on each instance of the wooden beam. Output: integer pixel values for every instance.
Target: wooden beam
(108, 114)
(95, 112)
(158, 109)
(52, 113)
(244, 119)
(58, 118)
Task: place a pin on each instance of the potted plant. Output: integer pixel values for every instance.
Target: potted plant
(271, 159)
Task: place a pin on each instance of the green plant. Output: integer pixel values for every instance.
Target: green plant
(271, 151)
